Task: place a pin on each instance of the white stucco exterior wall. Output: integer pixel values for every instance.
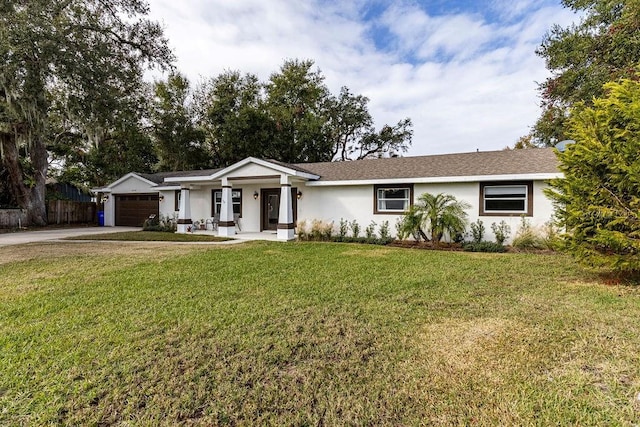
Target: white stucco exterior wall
(331, 203)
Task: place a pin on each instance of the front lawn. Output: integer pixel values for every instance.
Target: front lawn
(308, 334)
(151, 236)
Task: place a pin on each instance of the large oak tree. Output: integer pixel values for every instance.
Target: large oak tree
(84, 56)
(604, 46)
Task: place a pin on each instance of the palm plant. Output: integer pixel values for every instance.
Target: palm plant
(442, 214)
(411, 225)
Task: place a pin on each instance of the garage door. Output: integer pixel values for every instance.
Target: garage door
(133, 209)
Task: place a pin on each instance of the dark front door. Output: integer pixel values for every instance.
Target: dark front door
(270, 210)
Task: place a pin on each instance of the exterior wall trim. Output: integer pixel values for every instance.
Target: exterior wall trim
(440, 179)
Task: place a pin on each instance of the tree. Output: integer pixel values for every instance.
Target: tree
(439, 215)
(298, 103)
(353, 135)
(604, 46)
(232, 116)
(85, 54)
(88, 155)
(598, 200)
(180, 144)
(291, 118)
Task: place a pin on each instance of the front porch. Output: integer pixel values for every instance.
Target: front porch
(251, 200)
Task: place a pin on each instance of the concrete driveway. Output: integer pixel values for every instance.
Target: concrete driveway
(21, 237)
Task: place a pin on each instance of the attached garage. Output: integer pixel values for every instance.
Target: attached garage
(133, 209)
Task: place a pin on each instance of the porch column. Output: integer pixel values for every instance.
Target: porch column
(286, 229)
(226, 225)
(184, 214)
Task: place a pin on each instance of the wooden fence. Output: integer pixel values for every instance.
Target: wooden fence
(12, 218)
(58, 212)
(70, 212)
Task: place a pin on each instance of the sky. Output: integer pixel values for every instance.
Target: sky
(465, 72)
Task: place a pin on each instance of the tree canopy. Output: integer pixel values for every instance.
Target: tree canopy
(293, 117)
(72, 94)
(598, 200)
(79, 58)
(604, 46)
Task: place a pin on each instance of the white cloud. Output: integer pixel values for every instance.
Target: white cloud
(465, 82)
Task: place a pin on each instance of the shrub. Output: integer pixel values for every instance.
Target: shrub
(343, 228)
(477, 231)
(501, 231)
(483, 246)
(370, 231)
(318, 230)
(301, 230)
(598, 197)
(551, 238)
(327, 231)
(527, 238)
(317, 226)
(383, 232)
(355, 228)
(160, 223)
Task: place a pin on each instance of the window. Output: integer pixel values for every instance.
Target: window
(176, 198)
(392, 198)
(236, 196)
(506, 199)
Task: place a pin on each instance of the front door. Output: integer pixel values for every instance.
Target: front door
(271, 207)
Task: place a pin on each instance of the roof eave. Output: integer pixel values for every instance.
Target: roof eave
(440, 179)
(220, 174)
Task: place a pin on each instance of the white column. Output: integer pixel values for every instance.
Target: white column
(109, 210)
(226, 225)
(185, 224)
(285, 215)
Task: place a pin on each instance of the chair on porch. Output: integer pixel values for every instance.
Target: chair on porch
(215, 220)
(236, 220)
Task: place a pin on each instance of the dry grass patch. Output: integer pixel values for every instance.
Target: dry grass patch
(372, 253)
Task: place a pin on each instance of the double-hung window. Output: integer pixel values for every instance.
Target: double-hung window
(392, 198)
(236, 196)
(506, 199)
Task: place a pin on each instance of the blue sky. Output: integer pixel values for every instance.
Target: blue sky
(465, 72)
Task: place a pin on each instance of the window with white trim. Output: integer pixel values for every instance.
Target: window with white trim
(236, 196)
(506, 199)
(392, 198)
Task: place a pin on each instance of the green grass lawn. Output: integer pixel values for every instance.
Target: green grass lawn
(309, 334)
(151, 236)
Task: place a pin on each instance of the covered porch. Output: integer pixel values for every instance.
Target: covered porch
(253, 199)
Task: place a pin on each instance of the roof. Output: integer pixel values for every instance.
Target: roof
(482, 163)
(159, 177)
(504, 162)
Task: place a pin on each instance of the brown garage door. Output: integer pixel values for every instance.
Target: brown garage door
(133, 209)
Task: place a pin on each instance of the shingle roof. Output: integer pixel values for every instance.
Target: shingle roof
(505, 162)
(159, 177)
